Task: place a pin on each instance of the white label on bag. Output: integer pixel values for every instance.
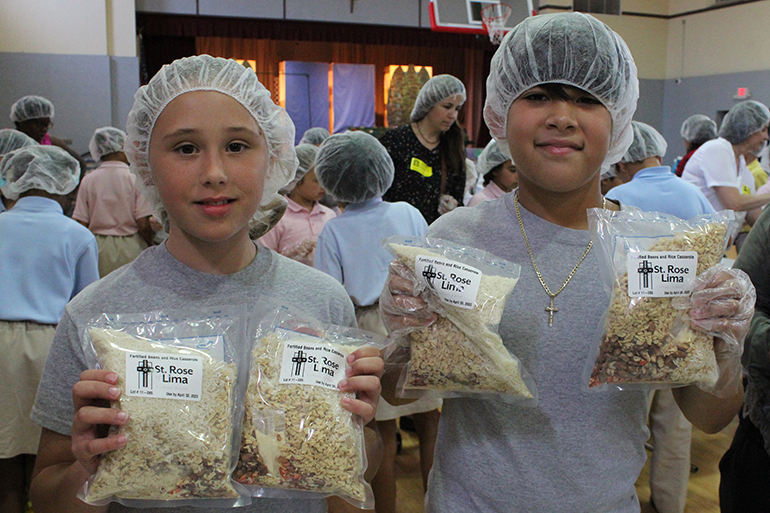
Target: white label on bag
(661, 273)
(455, 283)
(312, 363)
(164, 376)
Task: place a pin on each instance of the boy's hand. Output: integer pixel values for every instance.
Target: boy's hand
(363, 378)
(91, 396)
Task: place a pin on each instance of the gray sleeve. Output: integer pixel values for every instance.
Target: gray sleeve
(53, 407)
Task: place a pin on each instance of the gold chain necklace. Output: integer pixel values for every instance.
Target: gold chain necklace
(551, 295)
(423, 136)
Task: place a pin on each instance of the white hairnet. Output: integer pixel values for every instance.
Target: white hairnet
(743, 120)
(608, 171)
(306, 154)
(698, 129)
(573, 49)
(106, 140)
(31, 107)
(11, 139)
(490, 158)
(647, 143)
(354, 167)
(44, 167)
(314, 136)
(207, 73)
(433, 91)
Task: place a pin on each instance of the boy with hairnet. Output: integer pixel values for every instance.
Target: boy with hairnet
(696, 130)
(499, 174)
(654, 188)
(110, 204)
(45, 260)
(10, 140)
(210, 150)
(296, 233)
(561, 94)
(356, 170)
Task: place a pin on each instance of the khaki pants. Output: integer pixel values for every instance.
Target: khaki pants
(25, 347)
(115, 251)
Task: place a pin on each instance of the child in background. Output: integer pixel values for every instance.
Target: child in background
(296, 233)
(210, 150)
(315, 136)
(356, 170)
(110, 204)
(10, 140)
(45, 260)
(561, 93)
(499, 174)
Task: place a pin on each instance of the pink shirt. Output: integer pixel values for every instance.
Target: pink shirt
(296, 226)
(488, 193)
(109, 201)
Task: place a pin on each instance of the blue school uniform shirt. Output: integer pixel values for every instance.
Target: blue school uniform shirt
(657, 189)
(350, 248)
(45, 260)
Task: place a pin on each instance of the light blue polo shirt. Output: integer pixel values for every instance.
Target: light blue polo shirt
(657, 189)
(350, 248)
(45, 260)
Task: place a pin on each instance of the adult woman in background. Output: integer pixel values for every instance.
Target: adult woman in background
(428, 153)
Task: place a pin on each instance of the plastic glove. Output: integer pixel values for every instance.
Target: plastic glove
(722, 305)
(404, 302)
(446, 203)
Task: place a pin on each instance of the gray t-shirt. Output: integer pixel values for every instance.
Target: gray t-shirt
(576, 451)
(158, 281)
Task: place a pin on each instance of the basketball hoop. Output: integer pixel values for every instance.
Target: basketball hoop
(494, 17)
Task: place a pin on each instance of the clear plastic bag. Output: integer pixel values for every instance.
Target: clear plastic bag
(179, 380)
(298, 440)
(648, 259)
(460, 354)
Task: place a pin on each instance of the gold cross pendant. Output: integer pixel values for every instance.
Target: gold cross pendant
(551, 310)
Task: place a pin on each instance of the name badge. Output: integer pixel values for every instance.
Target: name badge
(421, 167)
(745, 189)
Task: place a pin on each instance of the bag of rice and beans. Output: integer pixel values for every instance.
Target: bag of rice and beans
(298, 440)
(177, 372)
(461, 354)
(648, 259)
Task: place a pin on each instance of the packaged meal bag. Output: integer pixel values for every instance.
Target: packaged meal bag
(648, 259)
(461, 354)
(178, 376)
(298, 440)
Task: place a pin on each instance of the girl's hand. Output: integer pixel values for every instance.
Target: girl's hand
(91, 396)
(446, 203)
(363, 373)
(401, 303)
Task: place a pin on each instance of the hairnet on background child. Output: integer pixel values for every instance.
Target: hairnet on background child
(306, 154)
(743, 120)
(207, 73)
(607, 172)
(490, 158)
(433, 91)
(354, 167)
(11, 139)
(106, 140)
(314, 136)
(698, 129)
(647, 143)
(573, 49)
(44, 167)
(31, 107)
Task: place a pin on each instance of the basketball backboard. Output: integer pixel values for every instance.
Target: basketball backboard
(464, 16)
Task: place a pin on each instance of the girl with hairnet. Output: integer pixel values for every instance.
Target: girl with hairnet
(110, 204)
(718, 167)
(561, 93)
(429, 153)
(296, 233)
(356, 170)
(210, 150)
(10, 140)
(499, 174)
(45, 260)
